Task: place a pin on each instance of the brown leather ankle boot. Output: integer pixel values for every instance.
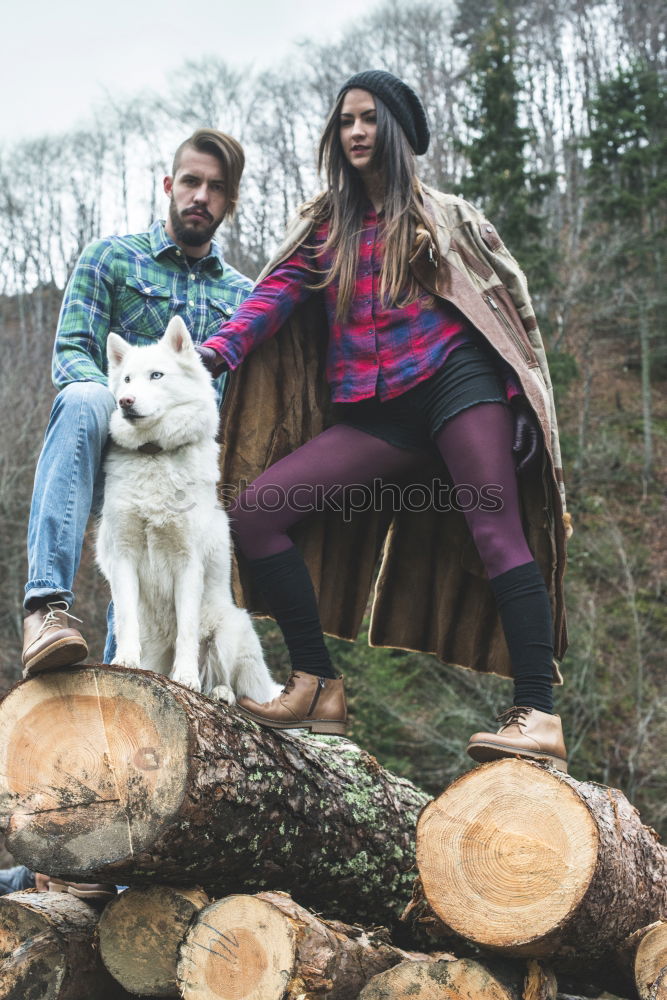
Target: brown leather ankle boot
(306, 702)
(49, 641)
(525, 732)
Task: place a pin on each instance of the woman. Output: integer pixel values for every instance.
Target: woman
(432, 349)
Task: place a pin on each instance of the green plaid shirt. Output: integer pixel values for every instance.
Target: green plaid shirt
(133, 285)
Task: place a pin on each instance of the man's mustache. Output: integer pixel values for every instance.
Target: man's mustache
(199, 212)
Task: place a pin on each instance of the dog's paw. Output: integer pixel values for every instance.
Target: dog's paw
(129, 660)
(221, 692)
(187, 679)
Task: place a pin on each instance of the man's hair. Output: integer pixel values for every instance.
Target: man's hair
(226, 150)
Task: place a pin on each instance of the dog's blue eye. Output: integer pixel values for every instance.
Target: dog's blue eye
(157, 374)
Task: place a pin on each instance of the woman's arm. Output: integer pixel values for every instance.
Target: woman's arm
(262, 314)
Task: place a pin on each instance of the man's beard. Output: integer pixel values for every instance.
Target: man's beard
(188, 235)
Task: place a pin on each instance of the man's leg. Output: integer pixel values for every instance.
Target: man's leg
(68, 477)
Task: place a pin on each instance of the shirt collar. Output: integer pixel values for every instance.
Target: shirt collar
(162, 243)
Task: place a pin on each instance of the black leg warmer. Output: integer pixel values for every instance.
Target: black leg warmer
(525, 613)
(285, 584)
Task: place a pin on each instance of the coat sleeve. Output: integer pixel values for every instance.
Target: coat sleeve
(493, 250)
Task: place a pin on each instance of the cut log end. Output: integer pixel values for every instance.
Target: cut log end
(104, 740)
(506, 853)
(47, 951)
(32, 961)
(140, 933)
(240, 948)
(440, 980)
(651, 959)
(658, 989)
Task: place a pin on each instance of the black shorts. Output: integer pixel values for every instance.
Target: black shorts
(412, 419)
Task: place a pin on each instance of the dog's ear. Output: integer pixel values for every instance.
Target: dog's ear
(176, 335)
(117, 348)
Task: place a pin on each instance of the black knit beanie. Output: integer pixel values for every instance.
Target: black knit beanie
(401, 100)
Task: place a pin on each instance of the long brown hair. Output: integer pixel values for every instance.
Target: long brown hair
(343, 205)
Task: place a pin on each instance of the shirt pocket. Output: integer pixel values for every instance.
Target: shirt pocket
(219, 312)
(145, 309)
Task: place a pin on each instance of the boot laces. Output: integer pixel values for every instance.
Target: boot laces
(517, 713)
(289, 684)
(51, 619)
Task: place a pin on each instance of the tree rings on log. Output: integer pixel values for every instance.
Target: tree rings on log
(267, 947)
(46, 949)
(647, 950)
(88, 771)
(240, 948)
(523, 859)
(651, 960)
(114, 775)
(140, 933)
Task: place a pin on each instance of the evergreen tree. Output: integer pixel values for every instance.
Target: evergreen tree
(501, 180)
(627, 185)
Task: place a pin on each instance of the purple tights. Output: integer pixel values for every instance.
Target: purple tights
(476, 446)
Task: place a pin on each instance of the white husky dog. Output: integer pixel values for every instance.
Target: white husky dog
(163, 541)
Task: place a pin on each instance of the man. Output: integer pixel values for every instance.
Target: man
(132, 285)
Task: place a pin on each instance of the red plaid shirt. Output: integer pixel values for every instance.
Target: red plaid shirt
(378, 350)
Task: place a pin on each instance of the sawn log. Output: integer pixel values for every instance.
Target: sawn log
(528, 861)
(124, 776)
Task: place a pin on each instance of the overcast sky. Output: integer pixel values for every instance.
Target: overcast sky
(60, 57)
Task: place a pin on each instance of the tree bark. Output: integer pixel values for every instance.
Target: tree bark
(462, 979)
(124, 776)
(531, 862)
(269, 947)
(140, 933)
(47, 950)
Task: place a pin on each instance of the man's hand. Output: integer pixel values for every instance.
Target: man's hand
(212, 361)
(527, 434)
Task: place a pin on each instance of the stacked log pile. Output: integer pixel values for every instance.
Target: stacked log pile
(528, 880)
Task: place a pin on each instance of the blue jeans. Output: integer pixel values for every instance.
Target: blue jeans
(15, 879)
(69, 484)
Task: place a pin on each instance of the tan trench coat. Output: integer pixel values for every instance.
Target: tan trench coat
(431, 592)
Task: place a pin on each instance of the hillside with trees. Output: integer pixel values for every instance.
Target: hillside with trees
(550, 117)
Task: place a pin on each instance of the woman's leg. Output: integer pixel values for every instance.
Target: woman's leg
(326, 467)
(476, 446)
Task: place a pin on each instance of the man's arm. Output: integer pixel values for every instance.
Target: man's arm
(79, 352)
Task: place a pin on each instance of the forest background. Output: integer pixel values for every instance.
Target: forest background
(550, 116)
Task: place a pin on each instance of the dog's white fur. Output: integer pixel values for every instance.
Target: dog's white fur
(163, 541)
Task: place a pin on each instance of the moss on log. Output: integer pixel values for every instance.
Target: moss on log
(124, 776)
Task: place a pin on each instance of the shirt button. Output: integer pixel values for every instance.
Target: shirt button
(191, 303)
(178, 253)
(192, 277)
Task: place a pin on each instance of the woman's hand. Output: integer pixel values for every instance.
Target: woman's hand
(211, 360)
(527, 434)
